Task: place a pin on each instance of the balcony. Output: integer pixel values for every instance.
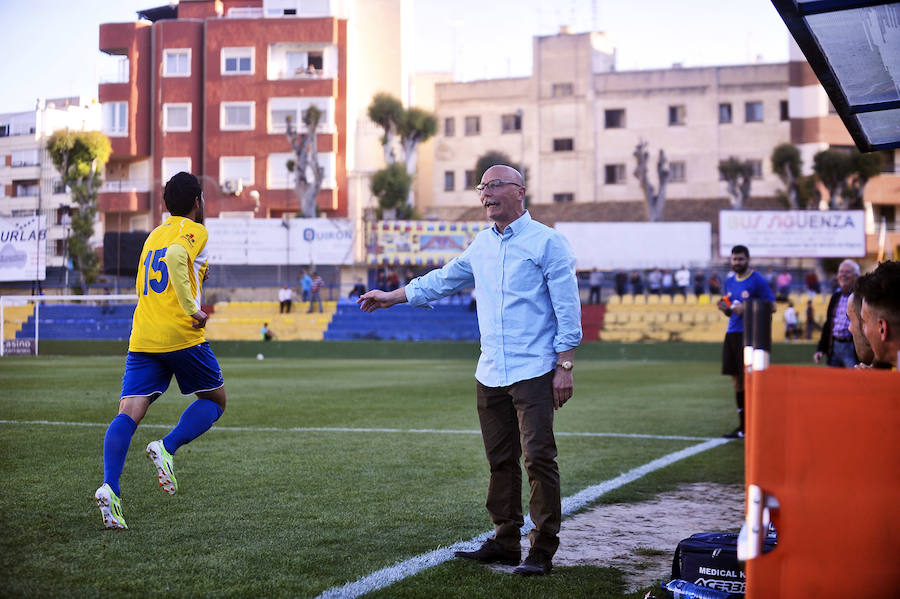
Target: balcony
(124, 196)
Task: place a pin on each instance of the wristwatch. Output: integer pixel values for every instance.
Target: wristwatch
(566, 365)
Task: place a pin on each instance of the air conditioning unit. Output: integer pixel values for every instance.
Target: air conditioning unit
(233, 186)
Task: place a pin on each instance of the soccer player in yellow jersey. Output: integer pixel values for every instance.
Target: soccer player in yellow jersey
(166, 339)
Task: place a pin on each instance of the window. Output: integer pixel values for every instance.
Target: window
(4, 130)
(237, 61)
(237, 116)
(278, 176)
(471, 182)
(236, 168)
(171, 166)
(564, 144)
(753, 112)
(473, 125)
(281, 108)
(676, 115)
(615, 118)
(177, 62)
(725, 113)
(449, 127)
(676, 172)
(25, 157)
(560, 198)
(615, 174)
(510, 123)
(305, 63)
(563, 89)
(177, 117)
(449, 181)
(755, 169)
(783, 105)
(115, 119)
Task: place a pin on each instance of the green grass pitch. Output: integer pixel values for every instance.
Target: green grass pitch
(267, 507)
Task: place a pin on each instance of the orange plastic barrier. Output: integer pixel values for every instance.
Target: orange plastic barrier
(826, 444)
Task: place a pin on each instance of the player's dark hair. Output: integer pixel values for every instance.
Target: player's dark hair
(740, 249)
(881, 289)
(180, 193)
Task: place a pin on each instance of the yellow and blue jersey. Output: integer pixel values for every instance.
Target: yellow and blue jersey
(162, 322)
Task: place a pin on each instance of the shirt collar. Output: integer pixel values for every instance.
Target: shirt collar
(516, 226)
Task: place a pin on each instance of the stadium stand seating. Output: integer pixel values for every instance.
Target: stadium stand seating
(14, 318)
(691, 318)
(450, 320)
(79, 321)
(243, 321)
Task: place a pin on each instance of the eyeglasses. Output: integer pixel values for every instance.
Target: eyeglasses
(494, 184)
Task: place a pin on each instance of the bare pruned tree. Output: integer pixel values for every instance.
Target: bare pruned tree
(656, 199)
(306, 161)
(737, 175)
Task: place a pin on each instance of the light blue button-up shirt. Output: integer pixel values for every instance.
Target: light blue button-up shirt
(526, 296)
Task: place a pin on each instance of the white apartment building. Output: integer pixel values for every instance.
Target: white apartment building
(29, 182)
(576, 121)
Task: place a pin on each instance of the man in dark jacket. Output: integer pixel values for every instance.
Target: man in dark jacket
(836, 343)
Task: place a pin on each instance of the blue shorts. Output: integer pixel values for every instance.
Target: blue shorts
(148, 375)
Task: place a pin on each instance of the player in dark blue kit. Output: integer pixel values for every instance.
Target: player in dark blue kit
(741, 285)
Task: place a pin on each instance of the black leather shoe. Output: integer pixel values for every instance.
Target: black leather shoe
(491, 552)
(737, 433)
(536, 564)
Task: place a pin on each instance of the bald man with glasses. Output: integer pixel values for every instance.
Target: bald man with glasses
(529, 314)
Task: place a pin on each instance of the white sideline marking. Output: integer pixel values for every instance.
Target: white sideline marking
(388, 576)
(339, 429)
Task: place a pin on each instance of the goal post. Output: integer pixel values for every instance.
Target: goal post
(72, 317)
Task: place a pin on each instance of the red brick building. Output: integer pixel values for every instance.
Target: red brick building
(205, 86)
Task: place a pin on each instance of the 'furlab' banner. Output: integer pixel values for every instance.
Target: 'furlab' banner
(23, 248)
(794, 233)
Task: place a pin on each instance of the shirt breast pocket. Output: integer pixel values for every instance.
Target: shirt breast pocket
(525, 276)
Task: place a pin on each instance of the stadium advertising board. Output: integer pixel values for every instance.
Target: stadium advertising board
(23, 248)
(417, 242)
(794, 233)
(323, 241)
(609, 246)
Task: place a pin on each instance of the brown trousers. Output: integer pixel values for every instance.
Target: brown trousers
(517, 420)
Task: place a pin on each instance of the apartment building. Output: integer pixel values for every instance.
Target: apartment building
(29, 182)
(206, 86)
(575, 124)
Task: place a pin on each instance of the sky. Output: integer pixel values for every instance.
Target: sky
(56, 40)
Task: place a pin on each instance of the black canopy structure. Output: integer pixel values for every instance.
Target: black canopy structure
(853, 46)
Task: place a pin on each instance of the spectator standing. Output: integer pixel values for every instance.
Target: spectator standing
(529, 315)
(880, 313)
(683, 280)
(699, 283)
(772, 279)
(784, 284)
(715, 285)
(358, 289)
(305, 286)
(315, 292)
(742, 285)
(654, 282)
(812, 283)
(595, 281)
(637, 283)
(285, 297)
(791, 328)
(621, 280)
(811, 323)
(836, 342)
